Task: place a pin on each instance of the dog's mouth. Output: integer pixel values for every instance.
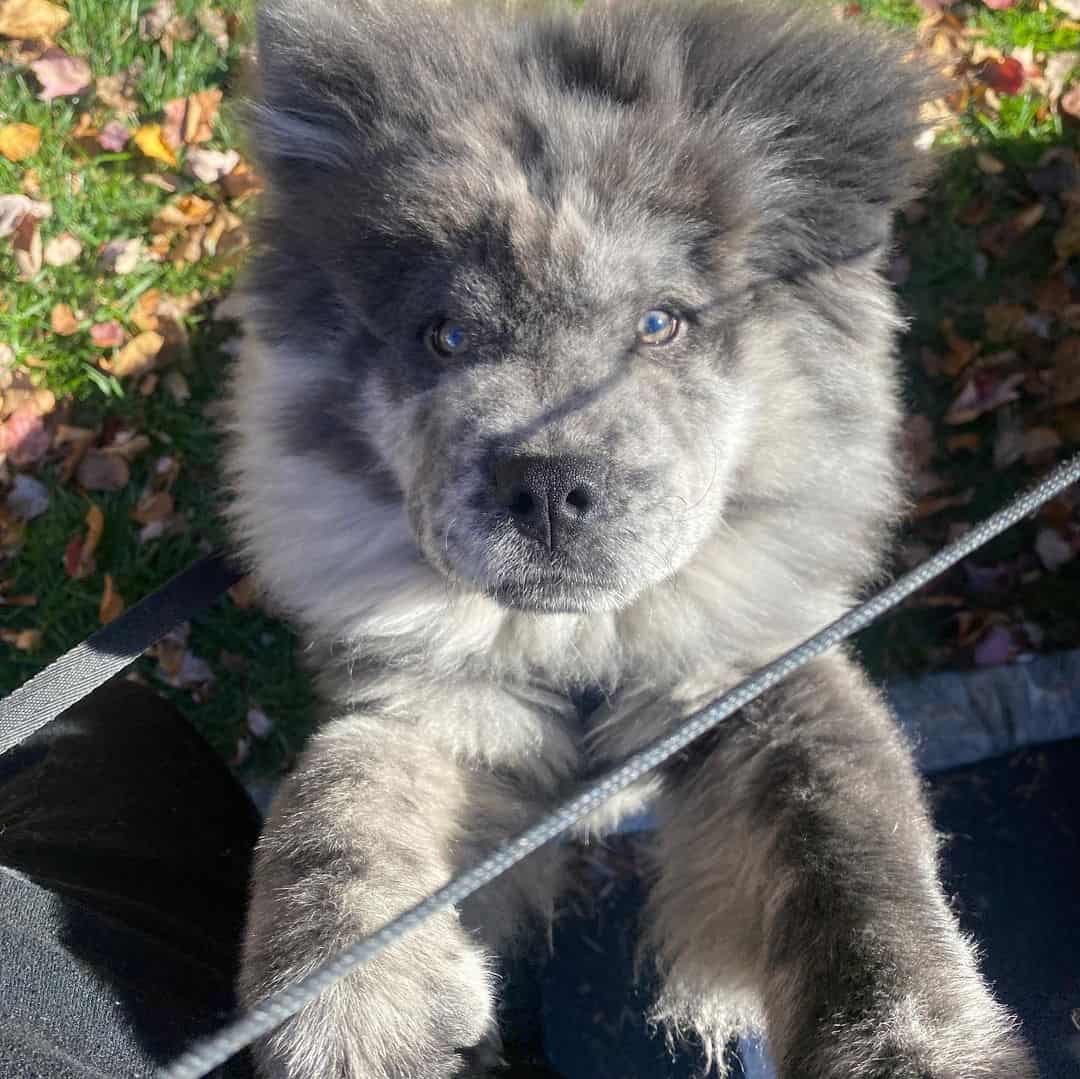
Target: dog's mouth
(556, 593)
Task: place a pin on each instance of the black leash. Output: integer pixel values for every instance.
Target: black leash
(100, 657)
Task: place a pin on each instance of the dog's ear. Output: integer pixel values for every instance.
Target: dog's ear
(832, 114)
(322, 70)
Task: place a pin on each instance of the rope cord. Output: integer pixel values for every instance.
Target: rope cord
(207, 1054)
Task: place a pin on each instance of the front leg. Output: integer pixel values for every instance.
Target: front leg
(797, 889)
(378, 815)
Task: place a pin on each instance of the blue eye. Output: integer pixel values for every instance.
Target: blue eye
(449, 338)
(657, 327)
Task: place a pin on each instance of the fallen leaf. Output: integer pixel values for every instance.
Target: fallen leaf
(182, 213)
(214, 26)
(210, 165)
(63, 320)
(76, 441)
(241, 183)
(1070, 7)
(136, 357)
(121, 256)
(79, 560)
(1053, 549)
(999, 5)
(13, 208)
(172, 122)
(149, 141)
(243, 593)
(202, 109)
(103, 472)
(112, 603)
(1059, 66)
(117, 91)
(107, 334)
(128, 444)
(933, 504)
(25, 640)
(1003, 76)
(61, 75)
(983, 393)
(163, 183)
(153, 24)
(31, 18)
(27, 248)
(1003, 320)
(114, 136)
(28, 498)
(23, 437)
(62, 250)
(153, 506)
(19, 141)
(963, 443)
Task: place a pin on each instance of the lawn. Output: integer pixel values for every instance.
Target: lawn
(125, 195)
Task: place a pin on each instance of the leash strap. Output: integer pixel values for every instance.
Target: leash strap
(111, 649)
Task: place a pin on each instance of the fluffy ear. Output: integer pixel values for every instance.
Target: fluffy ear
(318, 83)
(830, 111)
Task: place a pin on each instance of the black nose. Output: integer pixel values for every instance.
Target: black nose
(548, 498)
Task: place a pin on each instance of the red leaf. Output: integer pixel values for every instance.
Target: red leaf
(1004, 76)
(23, 437)
(107, 334)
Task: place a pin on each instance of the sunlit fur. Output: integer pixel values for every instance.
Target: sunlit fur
(546, 179)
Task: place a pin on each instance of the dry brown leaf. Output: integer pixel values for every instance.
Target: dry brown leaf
(118, 91)
(214, 26)
(927, 507)
(128, 444)
(136, 357)
(241, 183)
(31, 18)
(153, 506)
(1003, 320)
(79, 562)
(15, 209)
(19, 141)
(182, 213)
(103, 472)
(210, 165)
(989, 164)
(107, 334)
(121, 256)
(1040, 443)
(244, 593)
(27, 247)
(202, 109)
(23, 437)
(969, 443)
(76, 441)
(25, 640)
(63, 320)
(112, 603)
(62, 250)
(149, 140)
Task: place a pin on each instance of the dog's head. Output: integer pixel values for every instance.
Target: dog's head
(521, 264)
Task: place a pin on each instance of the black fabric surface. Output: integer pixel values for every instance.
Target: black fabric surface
(126, 844)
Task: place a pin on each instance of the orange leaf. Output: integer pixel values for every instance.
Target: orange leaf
(148, 139)
(112, 603)
(31, 18)
(63, 320)
(19, 141)
(136, 357)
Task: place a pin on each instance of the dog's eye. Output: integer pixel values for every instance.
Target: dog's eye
(449, 338)
(657, 327)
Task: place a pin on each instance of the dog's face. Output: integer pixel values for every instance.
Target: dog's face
(523, 257)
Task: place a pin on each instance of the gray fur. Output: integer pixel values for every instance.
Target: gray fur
(544, 180)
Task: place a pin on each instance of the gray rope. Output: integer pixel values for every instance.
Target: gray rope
(270, 1013)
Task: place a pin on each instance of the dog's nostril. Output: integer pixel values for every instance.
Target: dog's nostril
(579, 499)
(522, 504)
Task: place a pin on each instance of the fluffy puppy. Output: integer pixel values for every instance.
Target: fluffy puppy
(571, 375)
